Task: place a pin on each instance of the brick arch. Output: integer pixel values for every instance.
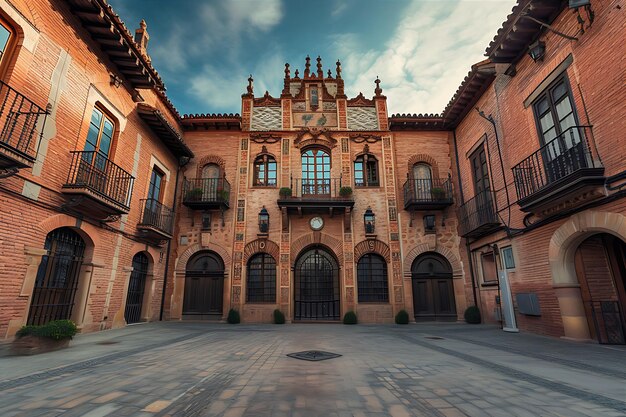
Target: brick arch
(561, 253)
(317, 238)
(415, 159)
(457, 266)
(372, 246)
(261, 246)
(196, 247)
(87, 232)
(210, 159)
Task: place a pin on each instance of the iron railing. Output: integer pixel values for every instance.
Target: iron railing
(317, 188)
(155, 214)
(477, 212)
(95, 172)
(419, 190)
(567, 153)
(206, 190)
(316, 310)
(19, 118)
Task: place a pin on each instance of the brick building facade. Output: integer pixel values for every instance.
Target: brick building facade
(312, 202)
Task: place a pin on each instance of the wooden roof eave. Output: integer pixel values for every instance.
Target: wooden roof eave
(161, 127)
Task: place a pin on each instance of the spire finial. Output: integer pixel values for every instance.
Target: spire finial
(250, 85)
(287, 72)
(307, 67)
(378, 91)
(338, 69)
(330, 74)
(320, 71)
(297, 73)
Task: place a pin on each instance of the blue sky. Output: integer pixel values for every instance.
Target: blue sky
(420, 49)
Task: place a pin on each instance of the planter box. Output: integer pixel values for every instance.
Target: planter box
(32, 345)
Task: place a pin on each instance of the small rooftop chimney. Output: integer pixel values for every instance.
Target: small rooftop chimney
(142, 38)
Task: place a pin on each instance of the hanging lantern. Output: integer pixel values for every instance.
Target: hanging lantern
(264, 221)
(369, 219)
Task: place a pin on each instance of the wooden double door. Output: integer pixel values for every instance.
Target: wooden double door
(433, 289)
(204, 287)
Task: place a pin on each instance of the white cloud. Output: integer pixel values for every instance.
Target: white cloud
(427, 57)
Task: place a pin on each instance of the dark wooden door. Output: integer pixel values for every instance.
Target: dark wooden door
(433, 289)
(204, 287)
(136, 286)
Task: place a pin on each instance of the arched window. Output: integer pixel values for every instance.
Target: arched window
(366, 171)
(264, 171)
(211, 171)
(261, 283)
(7, 35)
(372, 280)
(315, 172)
(57, 277)
(422, 181)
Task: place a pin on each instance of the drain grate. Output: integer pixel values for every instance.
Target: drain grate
(313, 355)
(433, 337)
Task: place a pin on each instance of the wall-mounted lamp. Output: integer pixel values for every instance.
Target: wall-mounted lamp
(429, 223)
(264, 221)
(537, 50)
(115, 80)
(369, 220)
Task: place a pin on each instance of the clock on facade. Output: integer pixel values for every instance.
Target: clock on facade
(316, 223)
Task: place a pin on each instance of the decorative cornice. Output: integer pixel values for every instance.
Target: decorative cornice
(314, 136)
(364, 137)
(267, 101)
(264, 137)
(360, 101)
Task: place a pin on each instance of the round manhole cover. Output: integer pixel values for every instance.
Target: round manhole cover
(313, 355)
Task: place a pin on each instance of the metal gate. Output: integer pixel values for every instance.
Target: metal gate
(316, 286)
(57, 277)
(136, 286)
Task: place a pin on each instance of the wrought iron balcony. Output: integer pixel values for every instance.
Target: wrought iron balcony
(104, 183)
(560, 171)
(319, 194)
(478, 217)
(21, 121)
(206, 193)
(157, 220)
(427, 194)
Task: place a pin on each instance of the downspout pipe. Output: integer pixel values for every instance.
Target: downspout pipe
(469, 255)
(169, 243)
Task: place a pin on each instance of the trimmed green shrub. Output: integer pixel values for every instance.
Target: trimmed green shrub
(233, 316)
(345, 191)
(350, 318)
(472, 315)
(284, 192)
(57, 330)
(279, 317)
(402, 317)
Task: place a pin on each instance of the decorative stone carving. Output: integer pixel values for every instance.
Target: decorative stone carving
(362, 118)
(330, 105)
(264, 138)
(266, 118)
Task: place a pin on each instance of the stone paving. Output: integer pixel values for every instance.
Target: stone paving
(211, 369)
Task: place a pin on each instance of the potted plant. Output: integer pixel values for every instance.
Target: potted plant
(279, 317)
(472, 315)
(345, 191)
(350, 318)
(233, 317)
(284, 192)
(51, 336)
(402, 317)
(194, 194)
(223, 195)
(438, 193)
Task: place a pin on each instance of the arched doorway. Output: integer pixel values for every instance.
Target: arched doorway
(433, 291)
(600, 262)
(136, 287)
(204, 285)
(316, 289)
(57, 277)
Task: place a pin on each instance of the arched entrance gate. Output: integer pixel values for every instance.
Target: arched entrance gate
(433, 290)
(204, 287)
(316, 287)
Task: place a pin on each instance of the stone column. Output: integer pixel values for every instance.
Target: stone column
(575, 325)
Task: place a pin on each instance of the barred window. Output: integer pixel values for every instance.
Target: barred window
(372, 279)
(261, 283)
